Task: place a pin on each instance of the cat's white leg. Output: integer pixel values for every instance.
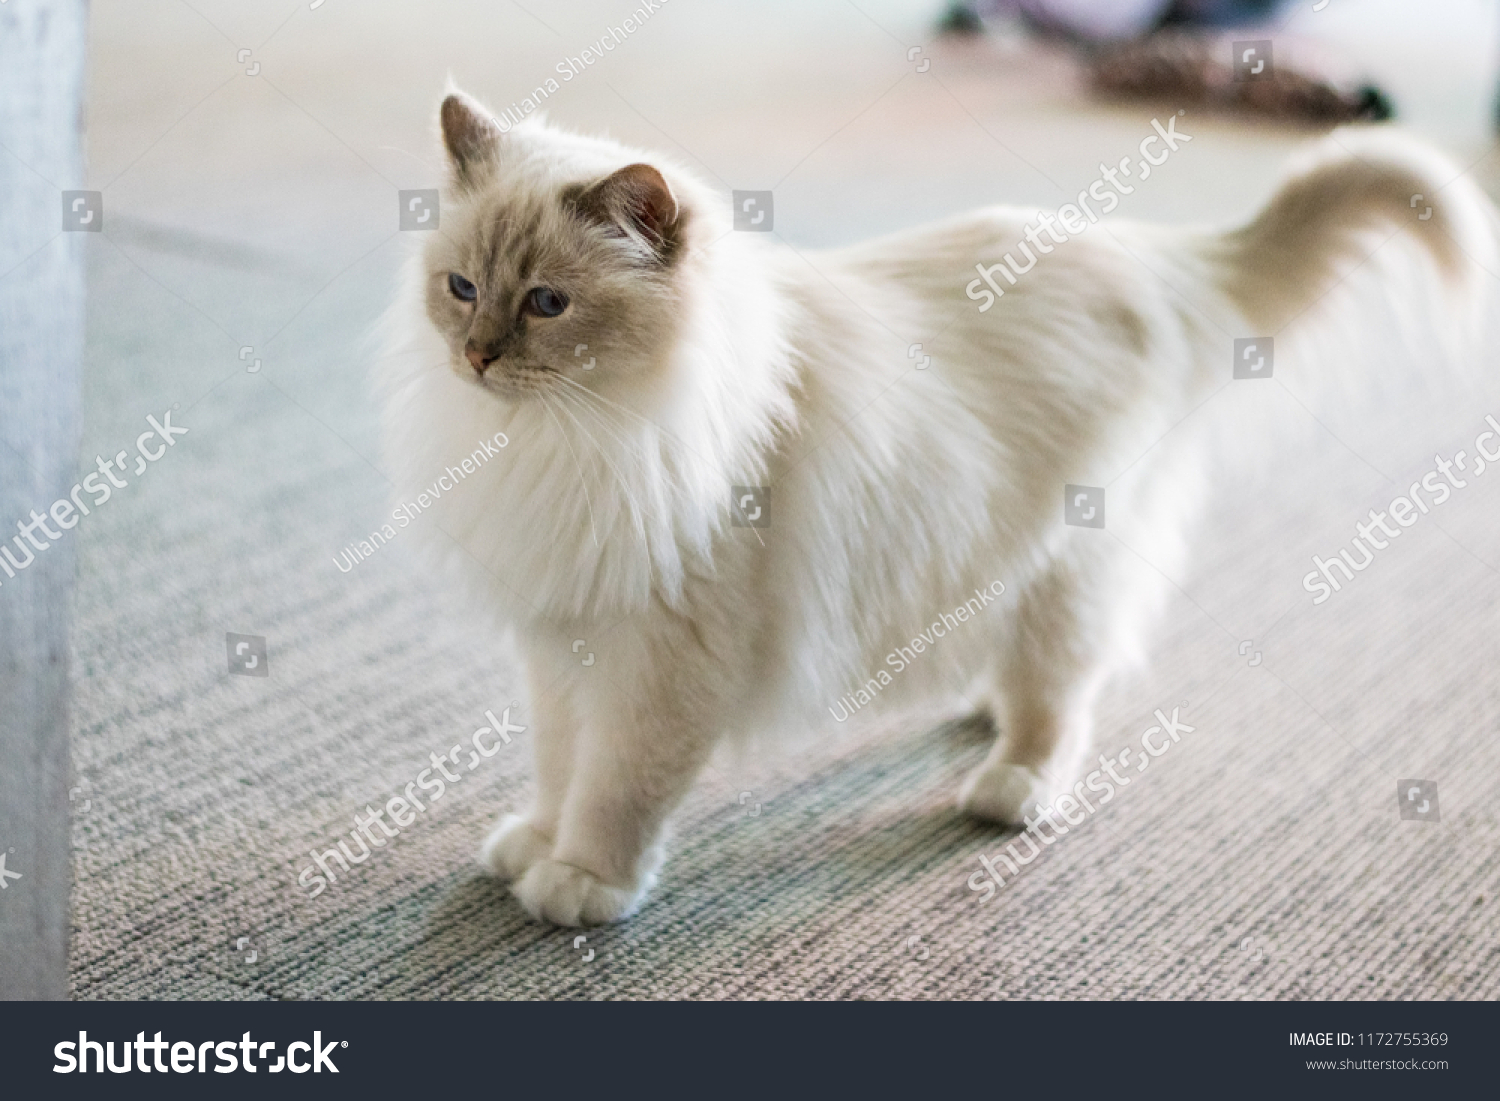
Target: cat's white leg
(1064, 642)
(1039, 756)
(629, 776)
(635, 756)
(519, 840)
(512, 846)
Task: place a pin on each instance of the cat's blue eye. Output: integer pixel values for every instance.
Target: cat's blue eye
(545, 302)
(461, 288)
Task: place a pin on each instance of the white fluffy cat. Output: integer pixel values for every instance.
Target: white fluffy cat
(593, 304)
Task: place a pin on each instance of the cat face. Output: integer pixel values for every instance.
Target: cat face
(550, 267)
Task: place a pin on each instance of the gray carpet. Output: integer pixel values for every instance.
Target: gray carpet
(1262, 857)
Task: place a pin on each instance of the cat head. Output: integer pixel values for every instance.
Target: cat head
(558, 257)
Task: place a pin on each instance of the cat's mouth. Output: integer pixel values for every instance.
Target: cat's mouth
(519, 380)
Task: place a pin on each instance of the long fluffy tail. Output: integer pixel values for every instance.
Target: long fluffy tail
(1341, 207)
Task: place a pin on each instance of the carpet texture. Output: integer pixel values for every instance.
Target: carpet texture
(1263, 856)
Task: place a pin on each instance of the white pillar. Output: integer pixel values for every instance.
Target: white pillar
(42, 60)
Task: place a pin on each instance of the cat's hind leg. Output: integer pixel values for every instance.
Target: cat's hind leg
(1070, 631)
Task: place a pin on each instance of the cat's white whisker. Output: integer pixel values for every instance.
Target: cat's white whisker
(634, 447)
(637, 514)
(660, 452)
(582, 480)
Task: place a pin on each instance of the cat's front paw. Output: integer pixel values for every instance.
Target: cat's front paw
(1006, 793)
(512, 847)
(567, 895)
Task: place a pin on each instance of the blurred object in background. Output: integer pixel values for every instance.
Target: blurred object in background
(1177, 51)
(1098, 21)
(1307, 84)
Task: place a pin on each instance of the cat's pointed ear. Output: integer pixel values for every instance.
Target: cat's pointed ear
(471, 137)
(636, 201)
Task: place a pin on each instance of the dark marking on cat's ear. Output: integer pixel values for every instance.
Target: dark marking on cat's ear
(635, 201)
(471, 137)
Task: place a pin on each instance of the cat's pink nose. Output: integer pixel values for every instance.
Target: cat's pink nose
(477, 359)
